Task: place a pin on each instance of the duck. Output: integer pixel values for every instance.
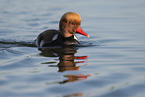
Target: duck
(69, 24)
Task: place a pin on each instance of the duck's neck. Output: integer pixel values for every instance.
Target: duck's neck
(65, 34)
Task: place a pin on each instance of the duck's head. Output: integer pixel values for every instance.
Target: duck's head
(70, 23)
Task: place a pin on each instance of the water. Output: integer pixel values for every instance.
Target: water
(111, 63)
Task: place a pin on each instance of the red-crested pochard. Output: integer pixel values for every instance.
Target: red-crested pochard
(70, 23)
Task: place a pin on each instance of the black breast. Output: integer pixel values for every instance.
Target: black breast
(70, 41)
(54, 38)
(62, 41)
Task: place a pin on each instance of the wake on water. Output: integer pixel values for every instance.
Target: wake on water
(10, 43)
(7, 44)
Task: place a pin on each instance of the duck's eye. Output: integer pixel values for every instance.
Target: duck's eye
(73, 23)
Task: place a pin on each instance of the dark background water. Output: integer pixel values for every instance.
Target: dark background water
(111, 63)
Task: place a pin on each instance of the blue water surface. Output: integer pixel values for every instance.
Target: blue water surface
(111, 63)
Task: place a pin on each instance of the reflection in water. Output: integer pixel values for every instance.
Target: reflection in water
(73, 78)
(75, 95)
(66, 61)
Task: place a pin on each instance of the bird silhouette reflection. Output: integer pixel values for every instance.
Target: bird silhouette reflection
(67, 61)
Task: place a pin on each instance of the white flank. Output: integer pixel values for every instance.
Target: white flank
(75, 37)
(55, 37)
(42, 43)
